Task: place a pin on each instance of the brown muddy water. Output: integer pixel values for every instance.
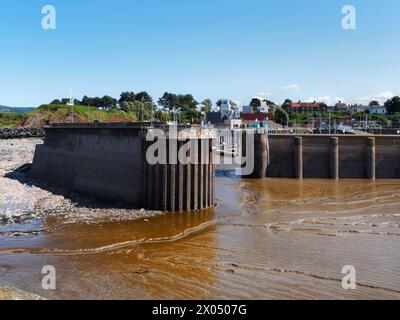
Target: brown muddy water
(266, 239)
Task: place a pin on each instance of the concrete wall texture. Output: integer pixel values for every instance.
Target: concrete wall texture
(110, 163)
(343, 156)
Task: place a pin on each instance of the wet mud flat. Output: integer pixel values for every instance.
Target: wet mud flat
(8, 293)
(266, 239)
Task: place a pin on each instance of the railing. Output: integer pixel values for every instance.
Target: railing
(229, 141)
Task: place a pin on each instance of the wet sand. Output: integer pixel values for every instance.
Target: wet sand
(7, 293)
(266, 239)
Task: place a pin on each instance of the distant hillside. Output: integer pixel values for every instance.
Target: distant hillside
(61, 113)
(16, 110)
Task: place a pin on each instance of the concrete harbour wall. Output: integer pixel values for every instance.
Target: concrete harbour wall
(110, 162)
(334, 157)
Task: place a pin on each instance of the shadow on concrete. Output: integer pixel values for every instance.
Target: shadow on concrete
(80, 200)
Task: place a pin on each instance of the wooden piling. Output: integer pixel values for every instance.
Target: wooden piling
(371, 159)
(298, 157)
(188, 187)
(334, 157)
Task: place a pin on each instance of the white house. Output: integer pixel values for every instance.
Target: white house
(377, 110)
(381, 110)
(264, 108)
(226, 105)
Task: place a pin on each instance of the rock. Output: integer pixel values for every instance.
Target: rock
(17, 133)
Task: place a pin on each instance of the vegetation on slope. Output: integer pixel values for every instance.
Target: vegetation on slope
(63, 113)
(8, 119)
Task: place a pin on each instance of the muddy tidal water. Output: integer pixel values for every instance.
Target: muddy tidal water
(266, 239)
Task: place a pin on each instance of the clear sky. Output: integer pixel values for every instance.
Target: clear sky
(211, 48)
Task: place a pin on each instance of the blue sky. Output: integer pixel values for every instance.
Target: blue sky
(211, 48)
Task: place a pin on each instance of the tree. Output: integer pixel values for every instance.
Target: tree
(126, 106)
(168, 101)
(396, 116)
(206, 105)
(270, 103)
(323, 107)
(127, 97)
(144, 97)
(374, 103)
(55, 101)
(142, 111)
(287, 103)
(393, 105)
(97, 102)
(108, 102)
(281, 116)
(382, 120)
(255, 103)
(86, 101)
(188, 109)
(186, 104)
(162, 116)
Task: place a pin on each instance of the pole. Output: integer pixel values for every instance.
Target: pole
(298, 157)
(329, 122)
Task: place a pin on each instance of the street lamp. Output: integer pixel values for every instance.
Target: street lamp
(203, 114)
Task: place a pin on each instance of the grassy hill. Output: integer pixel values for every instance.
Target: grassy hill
(63, 113)
(16, 110)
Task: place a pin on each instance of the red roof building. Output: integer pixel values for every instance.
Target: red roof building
(307, 107)
(255, 116)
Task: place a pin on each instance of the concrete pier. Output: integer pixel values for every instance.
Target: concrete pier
(327, 156)
(370, 167)
(188, 191)
(298, 157)
(261, 155)
(334, 158)
(109, 161)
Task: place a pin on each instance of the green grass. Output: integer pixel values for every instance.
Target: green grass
(63, 113)
(9, 119)
(83, 113)
(302, 118)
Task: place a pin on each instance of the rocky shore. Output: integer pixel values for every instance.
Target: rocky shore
(18, 133)
(23, 199)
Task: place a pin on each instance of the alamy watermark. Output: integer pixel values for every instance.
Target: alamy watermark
(349, 19)
(49, 20)
(349, 281)
(49, 278)
(170, 147)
